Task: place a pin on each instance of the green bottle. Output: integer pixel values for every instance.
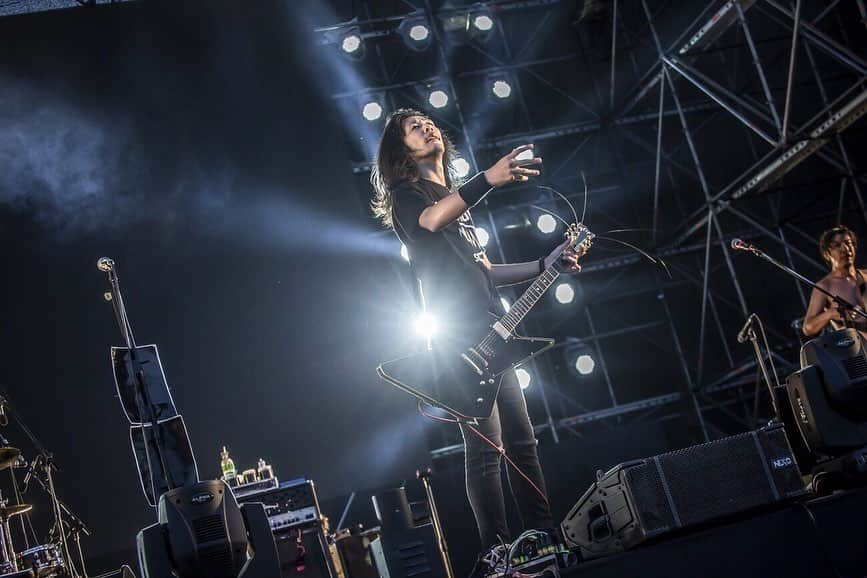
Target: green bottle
(227, 466)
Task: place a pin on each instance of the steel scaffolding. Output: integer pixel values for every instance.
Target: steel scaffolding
(674, 86)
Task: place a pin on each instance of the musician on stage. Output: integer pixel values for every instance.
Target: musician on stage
(417, 195)
(838, 246)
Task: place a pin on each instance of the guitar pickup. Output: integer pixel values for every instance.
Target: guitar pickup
(501, 330)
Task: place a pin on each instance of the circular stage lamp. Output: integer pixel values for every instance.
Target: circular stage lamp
(584, 364)
(501, 89)
(483, 22)
(372, 111)
(546, 223)
(426, 325)
(564, 293)
(438, 98)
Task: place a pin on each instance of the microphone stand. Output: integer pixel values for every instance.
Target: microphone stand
(749, 332)
(143, 400)
(843, 306)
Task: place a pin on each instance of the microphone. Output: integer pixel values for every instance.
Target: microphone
(739, 245)
(30, 471)
(742, 334)
(105, 264)
(4, 419)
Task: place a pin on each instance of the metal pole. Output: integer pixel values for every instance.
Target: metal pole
(792, 54)
(602, 363)
(769, 97)
(613, 56)
(704, 295)
(658, 157)
(683, 366)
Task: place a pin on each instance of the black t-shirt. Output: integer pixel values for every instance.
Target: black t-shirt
(457, 289)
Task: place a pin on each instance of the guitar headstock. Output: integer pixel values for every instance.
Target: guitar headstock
(580, 238)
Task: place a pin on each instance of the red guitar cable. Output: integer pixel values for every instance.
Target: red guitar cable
(501, 450)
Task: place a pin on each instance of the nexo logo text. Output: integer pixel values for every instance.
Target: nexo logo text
(202, 498)
(782, 463)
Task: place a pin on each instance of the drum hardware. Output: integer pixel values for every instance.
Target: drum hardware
(46, 560)
(7, 549)
(8, 455)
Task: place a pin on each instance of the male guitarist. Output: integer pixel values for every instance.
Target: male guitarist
(417, 196)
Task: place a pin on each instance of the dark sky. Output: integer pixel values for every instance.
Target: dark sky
(190, 142)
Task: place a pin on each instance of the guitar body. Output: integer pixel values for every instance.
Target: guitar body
(458, 380)
(464, 378)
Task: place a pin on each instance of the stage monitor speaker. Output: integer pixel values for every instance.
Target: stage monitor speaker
(824, 429)
(639, 500)
(161, 552)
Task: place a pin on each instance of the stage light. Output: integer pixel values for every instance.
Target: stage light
(524, 377)
(415, 33)
(426, 325)
(584, 364)
(546, 223)
(505, 303)
(483, 22)
(462, 167)
(564, 293)
(404, 252)
(483, 236)
(419, 32)
(438, 98)
(501, 89)
(351, 43)
(372, 111)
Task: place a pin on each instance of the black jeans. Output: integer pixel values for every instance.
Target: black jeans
(509, 427)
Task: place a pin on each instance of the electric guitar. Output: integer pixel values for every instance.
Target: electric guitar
(465, 381)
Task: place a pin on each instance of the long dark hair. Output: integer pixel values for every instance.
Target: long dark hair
(394, 164)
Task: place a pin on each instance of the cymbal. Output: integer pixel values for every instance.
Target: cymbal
(14, 510)
(8, 456)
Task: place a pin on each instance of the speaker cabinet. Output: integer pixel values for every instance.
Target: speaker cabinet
(636, 501)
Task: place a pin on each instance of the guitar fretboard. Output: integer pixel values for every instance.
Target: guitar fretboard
(529, 299)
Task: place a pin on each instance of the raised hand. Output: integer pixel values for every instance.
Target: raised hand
(509, 169)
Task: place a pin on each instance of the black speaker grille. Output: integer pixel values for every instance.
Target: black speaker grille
(209, 528)
(716, 479)
(646, 488)
(856, 367)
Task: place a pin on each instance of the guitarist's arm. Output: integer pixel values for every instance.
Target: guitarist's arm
(506, 170)
(512, 273)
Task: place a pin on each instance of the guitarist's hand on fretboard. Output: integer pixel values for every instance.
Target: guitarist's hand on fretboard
(568, 257)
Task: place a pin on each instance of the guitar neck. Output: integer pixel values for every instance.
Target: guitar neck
(529, 299)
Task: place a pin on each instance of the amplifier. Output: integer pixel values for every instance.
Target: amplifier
(291, 504)
(299, 529)
(642, 499)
